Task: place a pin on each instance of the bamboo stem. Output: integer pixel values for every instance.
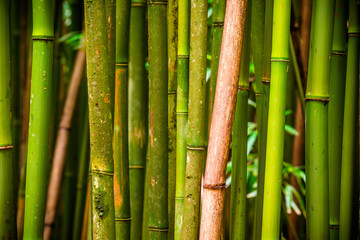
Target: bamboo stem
(222, 120)
(40, 102)
(138, 108)
(276, 120)
(7, 172)
(100, 70)
(158, 110)
(316, 119)
(350, 150)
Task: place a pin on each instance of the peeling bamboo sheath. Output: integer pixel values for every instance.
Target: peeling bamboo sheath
(222, 120)
(100, 73)
(62, 141)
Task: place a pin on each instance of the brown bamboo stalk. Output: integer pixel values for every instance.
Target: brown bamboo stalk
(61, 144)
(84, 230)
(222, 120)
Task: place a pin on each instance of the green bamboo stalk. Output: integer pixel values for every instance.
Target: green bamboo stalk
(83, 167)
(145, 227)
(316, 118)
(239, 141)
(217, 28)
(350, 146)
(138, 98)
(121, 153)
(196, 118)
(40, 101)
(99, 71)
(182, 110)
(262, 112)
(158, 110)
(336, 114)
(276, 120)
(7, 178)
(172, 36)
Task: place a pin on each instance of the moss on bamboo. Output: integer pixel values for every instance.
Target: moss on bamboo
(99, 73)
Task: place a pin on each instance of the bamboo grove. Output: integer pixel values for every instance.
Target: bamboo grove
(179, 119)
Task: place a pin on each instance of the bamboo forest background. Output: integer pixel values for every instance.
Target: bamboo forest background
(179, 119)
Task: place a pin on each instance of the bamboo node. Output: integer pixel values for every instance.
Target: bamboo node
(339, 53)
(65, 128)
(50, 225)
(171, 92)
(214, 186)
(286, 60)
(157, 3)
(122, 219)
(218, 24)
(243, 88)
(43, 38)
(334, 226)
(136, 166)
(265, 80)
(350, 34)
(121, 64)
(156, 229)
(179, 198)
(195, 148)
(138, 4)
(317, 99)
(183, 56)
(182, 113)
(102, 172)
(6, 147)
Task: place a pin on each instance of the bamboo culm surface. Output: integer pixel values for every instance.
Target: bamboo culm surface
(121, 152)
(350, 146)
(99, 74)
(181, 110)
(39, 121)
(239, 142)
(7, 178)
(222, 120)
(158, 111)
(138, 101)
(196, 119)
(336, 114)
(316, 119)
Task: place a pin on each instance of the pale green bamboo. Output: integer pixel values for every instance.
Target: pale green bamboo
(276, 121)
(350, 146)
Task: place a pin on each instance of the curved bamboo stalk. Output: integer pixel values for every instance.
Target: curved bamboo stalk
(100, 70)
(222, 120)
(196, 118)
(182, 110)
(158, 109)
(239, 142)
(336, 114)
(172, 36)
(121, 153)
(316, 118)
(350, 146)
(62, 141)
(7, 172)
(276, 120)
(138, 106)
(40, 101)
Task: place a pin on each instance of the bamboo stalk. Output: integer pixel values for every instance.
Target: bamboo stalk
(40, 101)
(7, 173)
(350, 150)
(263, 115)
(100, 71)
(276, 120)
(138, 106)
(196, 118)
(182, 110)
(86, 219)
(336, 114)
(217, 28)
(222, 120)
(239, 141)
(121, 153)
(62, 141)
(172, 36)
(316, 119)
(158, 110)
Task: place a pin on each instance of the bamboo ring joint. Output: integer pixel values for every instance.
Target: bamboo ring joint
(122, 64)
(155, 229)
(214, 186)
(157, 3)
(138, 4)
(317, 99)
(243, 88)
(137, 166)
(334, 226)
(338, 53)
(354, 34)
(200, 148)
(218, 24)
(6, 147)
(102, 172)
(183, 56)
(122, 219)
